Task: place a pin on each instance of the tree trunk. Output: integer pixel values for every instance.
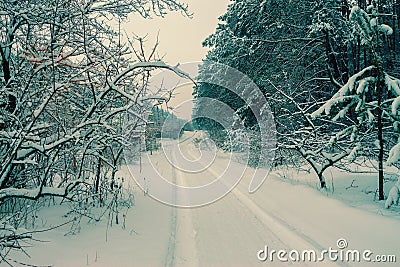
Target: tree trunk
(319, 173)
(380, 137)
(351, 60)
(97, 183)
(322, 180)
(332, 63)
(5, 65)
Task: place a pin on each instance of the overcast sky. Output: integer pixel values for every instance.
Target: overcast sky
(180, 38)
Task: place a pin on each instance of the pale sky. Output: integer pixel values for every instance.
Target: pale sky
(180, 38)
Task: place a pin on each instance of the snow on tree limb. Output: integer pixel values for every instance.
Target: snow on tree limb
(156, 64)
(386, 29)
(356, 85)
(38, 192)
(394, 154)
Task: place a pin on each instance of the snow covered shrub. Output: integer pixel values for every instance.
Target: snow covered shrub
(394, 195)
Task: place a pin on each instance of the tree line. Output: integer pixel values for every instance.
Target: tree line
(163, 124)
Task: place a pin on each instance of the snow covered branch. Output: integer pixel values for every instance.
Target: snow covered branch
(38, 192)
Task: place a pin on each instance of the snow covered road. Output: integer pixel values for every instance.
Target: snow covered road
(229, 232)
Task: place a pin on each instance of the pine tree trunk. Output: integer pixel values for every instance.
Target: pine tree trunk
(380, 138)
(332, 62)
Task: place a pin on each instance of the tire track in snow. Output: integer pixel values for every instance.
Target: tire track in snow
(285, 232)
(170, 257)
(279, 226)
(182, 249)
(185, 242)
(282, 230)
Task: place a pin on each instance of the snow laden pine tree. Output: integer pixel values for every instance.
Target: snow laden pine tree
(364, 102)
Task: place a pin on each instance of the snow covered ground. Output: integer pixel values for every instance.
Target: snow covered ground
(357, 189)
(287, 212)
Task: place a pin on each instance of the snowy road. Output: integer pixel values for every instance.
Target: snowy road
(228, 232)
(231, 231)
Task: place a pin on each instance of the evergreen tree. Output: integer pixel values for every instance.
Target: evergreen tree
(363, 103)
